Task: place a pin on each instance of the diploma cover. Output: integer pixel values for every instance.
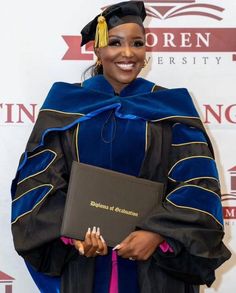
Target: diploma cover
(113, 201)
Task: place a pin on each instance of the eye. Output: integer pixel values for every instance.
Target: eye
(138, 43)
(114, 43)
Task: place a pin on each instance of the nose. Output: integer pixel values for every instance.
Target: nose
(127, 51)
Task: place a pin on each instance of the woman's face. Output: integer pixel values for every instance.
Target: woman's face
(124, 56)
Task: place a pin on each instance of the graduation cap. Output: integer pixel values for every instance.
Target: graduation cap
(114, 15)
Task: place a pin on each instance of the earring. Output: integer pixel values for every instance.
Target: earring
(146, 61)
(98, 63)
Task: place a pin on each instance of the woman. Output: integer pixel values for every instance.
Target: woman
(117, 121)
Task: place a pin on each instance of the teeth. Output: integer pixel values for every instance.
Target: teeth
(125, 66)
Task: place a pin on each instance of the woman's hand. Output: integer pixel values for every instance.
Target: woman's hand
(92, 245)
(139, 245)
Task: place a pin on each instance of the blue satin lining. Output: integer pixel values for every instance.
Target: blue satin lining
(185, 134)
(45, 283)
(194, 167)
(36, 164)
(198, 198)
(28, 201)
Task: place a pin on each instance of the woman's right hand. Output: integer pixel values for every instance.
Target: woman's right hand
(93, 244)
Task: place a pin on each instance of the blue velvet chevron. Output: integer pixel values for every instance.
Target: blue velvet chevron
(185, 134)
(36, 164)
(194, 167)
(198, 198)
(25, 203)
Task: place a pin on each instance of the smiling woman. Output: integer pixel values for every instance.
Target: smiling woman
(124, 57)
(118, 121)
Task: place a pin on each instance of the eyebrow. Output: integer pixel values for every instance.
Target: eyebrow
(121, 38)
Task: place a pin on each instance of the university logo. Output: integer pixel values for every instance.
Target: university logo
(6, 283)
(173, 39)
(229, 200)
(164, 9)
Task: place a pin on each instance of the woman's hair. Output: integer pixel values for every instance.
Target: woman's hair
(92, 70)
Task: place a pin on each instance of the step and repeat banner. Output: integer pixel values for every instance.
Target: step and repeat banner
(190, 43)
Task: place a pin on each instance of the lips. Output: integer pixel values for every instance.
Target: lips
(126, 66)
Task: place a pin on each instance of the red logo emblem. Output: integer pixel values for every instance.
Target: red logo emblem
(228, 200)
(164, 9)
(6, 282)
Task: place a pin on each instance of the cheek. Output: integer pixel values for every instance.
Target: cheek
(141, 54)
(108, 55)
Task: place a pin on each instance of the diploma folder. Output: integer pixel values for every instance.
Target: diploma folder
(113, 201)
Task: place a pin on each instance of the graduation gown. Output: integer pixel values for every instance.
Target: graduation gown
(145, 132)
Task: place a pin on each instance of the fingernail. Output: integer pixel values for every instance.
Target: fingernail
(117, 247)
(98, 231)
(102, 239)
(89, 230)
(81, 251)
(94, 230)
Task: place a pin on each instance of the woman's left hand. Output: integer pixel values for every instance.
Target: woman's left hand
(139, 245)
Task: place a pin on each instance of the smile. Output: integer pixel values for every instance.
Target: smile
(126, 66)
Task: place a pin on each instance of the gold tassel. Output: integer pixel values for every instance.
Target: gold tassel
(101, 36)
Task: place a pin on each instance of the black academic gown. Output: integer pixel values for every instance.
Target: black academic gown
(150, 133)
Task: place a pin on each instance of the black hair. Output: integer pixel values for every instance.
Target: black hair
(92, 70)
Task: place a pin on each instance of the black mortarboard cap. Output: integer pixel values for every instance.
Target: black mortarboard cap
(114, 15)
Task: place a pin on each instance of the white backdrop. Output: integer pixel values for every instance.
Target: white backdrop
(200, 55)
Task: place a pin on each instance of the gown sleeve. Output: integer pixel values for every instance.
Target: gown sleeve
(39, 192)
(190, 215)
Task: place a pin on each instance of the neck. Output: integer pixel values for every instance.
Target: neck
(117, 87)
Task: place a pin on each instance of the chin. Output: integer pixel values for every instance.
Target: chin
(126, 80)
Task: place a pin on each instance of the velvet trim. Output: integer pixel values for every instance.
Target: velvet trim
(114, 284)
(165, 247)
(131, 103)
(110, 142)
(184, 134)
(64, 128)
(88, 101)
(67, 241)
(102, 142)
(29, 200)
(101, 85)
(102, 273)
(36, 164)
(127, 275)
(194, 167)
(199, 199)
